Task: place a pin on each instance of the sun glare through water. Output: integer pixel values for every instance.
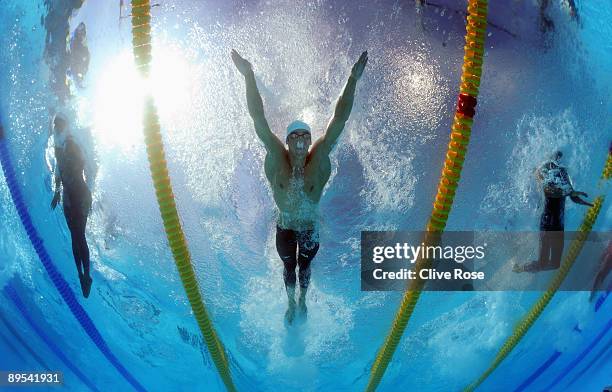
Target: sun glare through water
(120, 92)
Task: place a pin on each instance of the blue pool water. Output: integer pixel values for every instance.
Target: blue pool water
(538, 93)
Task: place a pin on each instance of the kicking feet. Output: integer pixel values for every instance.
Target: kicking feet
(534, 266)
(290, 313)
(85, 285)
(302, 310)
(296, 313)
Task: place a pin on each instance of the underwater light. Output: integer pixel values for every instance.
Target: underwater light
(120, 93)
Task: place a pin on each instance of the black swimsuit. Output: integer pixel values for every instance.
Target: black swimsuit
(287, 243)
(553, 216)
(76, 194)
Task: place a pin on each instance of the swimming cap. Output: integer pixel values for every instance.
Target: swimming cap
(556, 156)
(297, 125)
(59, 116)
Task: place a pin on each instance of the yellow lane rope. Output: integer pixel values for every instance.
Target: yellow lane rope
(576, 246)
(459, 138)
(141, 41)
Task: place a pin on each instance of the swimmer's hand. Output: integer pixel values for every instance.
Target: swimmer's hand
(55, 200)
(242, 64)
(359, 66)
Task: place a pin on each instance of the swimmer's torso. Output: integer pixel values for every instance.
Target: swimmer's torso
(555, 180)
(71, 166)
(297, 195)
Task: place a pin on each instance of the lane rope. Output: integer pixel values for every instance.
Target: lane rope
(461, 130)
(11, 294)
(58, 280)
(141, 42)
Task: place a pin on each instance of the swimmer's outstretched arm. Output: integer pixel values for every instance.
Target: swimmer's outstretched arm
(255, 104)
(343, 108)
(574, 195)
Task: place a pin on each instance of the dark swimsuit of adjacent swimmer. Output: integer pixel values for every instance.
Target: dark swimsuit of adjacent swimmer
(76, 194)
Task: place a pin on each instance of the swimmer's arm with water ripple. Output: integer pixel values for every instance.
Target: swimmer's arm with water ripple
(255, 105)
(343, 109)
(574, 195)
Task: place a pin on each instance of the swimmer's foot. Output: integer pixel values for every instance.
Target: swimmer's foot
(85, 285)
(549, 267)
(533, 266)
(290, 313)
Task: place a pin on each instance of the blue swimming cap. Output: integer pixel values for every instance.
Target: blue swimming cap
(297, 125)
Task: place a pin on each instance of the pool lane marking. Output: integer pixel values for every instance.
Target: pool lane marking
(580, 357)
(606, 347)
(25, 345)
(56, 277)
(11, 293)
(555, 355)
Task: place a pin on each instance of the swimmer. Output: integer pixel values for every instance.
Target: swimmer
(556, 186)
(604, 270)
(572, 10)
(297, 177)
(70, 186)
(546, 23)
(79, 54)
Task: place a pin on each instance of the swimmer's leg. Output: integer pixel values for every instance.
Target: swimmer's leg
(286, 246)
(308, 248)
(596, 284)
(83, 240)
(556, 242)
(71, 222)
(86, 283)
(532, 266)
(84, 276)
(77, 221)
(76, 252)
(545, 247)
(551, 249)
(543, 255)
